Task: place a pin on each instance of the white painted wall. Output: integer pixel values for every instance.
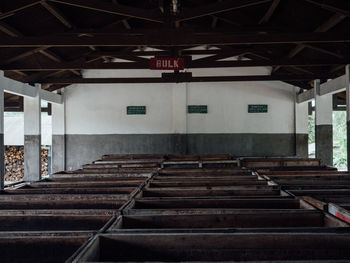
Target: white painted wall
(228, 108)
(101, 108)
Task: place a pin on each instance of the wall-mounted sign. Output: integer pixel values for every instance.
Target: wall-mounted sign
(257, 108)
(167, 63)
(203, 109)
(136, 110)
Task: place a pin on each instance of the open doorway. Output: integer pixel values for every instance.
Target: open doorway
(14, 144)
(339, 131)
(311, 130)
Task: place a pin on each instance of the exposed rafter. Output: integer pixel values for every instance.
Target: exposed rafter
(170, 38)
(22, 55)
(57, 13)
(170, 78)
(117, 9)
(248, 28)
(327, 25)
(9, 30)
(331, 8)
(269, 12)
(29, 3)
(220, 7)
(201, 63)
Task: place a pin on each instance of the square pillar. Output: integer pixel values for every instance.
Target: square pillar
(301, 130)
(323, 125)
(32, 137)
(347, 74)
(58, 161)
(2, 153)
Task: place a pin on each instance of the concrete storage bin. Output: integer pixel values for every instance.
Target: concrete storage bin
(216, 247)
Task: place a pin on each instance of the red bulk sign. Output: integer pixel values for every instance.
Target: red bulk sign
(167, 63)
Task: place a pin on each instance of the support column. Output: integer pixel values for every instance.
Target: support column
(301, 130)
(58, 162)
(323, 125)
(179, 118)
(2, 155)
(347, 74)
(32, 137)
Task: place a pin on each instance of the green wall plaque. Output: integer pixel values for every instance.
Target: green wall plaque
(203, 109)
(136, 110)
(257, 108)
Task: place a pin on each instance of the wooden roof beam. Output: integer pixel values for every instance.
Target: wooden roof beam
(322, 50)
(126, 24)
(220, 7)
(22, 55)
(56, 13)
(112, 8)
(30, 3)
(327, 25)
(170, 38)
(184, 52)
(144, 64)
(269, 12)
(51, 55)
(330, 8)
(171, 78)
(9, 30)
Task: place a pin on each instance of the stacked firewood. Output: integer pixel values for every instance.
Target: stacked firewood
(14, 163)
(44, 162)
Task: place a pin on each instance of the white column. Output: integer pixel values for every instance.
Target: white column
(301, 129)
(347, 74)
(32, 137)
(323, 125)
(179, 117)
(58, 137)
(2, 157)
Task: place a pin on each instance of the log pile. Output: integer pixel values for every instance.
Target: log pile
(14, 163)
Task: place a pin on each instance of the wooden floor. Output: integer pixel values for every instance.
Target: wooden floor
(180, 208)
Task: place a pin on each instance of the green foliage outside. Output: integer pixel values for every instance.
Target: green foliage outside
(339, 138)
(311, 127)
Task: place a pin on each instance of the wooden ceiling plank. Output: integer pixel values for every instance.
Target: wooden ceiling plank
(116, 9)
(216, 8)
(269, 12)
